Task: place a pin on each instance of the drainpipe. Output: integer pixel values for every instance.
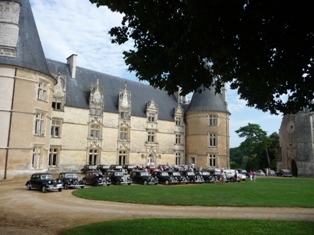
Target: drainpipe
(9, 134)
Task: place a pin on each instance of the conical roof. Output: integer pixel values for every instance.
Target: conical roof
(30, 53)
(207, 101)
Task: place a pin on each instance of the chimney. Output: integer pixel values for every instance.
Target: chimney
(71, 60)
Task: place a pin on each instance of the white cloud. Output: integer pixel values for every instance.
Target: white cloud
(78, 27)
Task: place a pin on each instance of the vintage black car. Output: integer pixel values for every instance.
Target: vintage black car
(165, 178)
(190, 175)
(71, 180)
(143, 177)
(129, 168)
(44, 182)
(208, 177)
(117, 168)
(284, 173)
(118, 178)
(103, 168)
(199, 177)
(88, 168)
(177, 175)
(96, 178)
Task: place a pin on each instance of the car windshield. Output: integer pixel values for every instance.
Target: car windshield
(72, 176)
(285, 170)
(164, 174)
(118, 174)
(176, 173)
(191, 173)
(205, 173)
(46, 177)
(144, 173)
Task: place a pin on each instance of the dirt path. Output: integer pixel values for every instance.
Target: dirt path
(33, 212)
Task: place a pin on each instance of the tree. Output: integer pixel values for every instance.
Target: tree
(256, 141)
(263, 48)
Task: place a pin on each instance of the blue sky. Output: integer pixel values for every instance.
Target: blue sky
(69, 27)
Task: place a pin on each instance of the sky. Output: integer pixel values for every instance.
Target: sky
(78, 27)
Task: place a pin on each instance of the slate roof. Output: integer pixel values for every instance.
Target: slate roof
(30, 53)
(207, 101)
(78, 91)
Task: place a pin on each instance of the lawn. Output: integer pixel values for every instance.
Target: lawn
(265, 192)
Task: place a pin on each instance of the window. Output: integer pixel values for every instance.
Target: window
(212, 140)
(212, 160)
(213, 120)
(178, 139)
(42, 90)
(151, 137)
(123, 133)
(124, 115)
(53, 156)
(122, 157)
(95, 131)
(55, 128)
(39, 124)
(178, 121)
(36, 157)
(56, 103)
(151, 117)
(178, 158)
(193, 160)
(92, 157)
(95, 111)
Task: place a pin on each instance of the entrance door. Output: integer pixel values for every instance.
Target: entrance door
(294, 169)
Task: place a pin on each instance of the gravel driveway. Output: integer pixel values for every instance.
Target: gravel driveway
(32, 212)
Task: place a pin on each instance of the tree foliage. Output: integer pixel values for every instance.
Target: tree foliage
(258, 150)
(263, 48)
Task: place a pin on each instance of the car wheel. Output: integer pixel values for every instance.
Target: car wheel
(66, 186)
(60, 189)
(192, 181)
(166, 182)
(207, 180)
(118, 182)
(95, 183)
(82, 186)
(29, 186)
(145, 182)
(44, 189)
(129, 183)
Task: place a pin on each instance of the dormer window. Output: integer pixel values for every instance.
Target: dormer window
(56, 103)
(151, 117)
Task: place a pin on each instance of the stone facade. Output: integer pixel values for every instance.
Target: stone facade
(56, 116)
(297, 144)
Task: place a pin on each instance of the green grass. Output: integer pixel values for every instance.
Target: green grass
(196, 226)
(265, 192)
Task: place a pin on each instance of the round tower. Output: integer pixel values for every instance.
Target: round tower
(25, 93)
(207, 130)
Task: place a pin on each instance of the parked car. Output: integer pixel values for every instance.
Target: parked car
(190, 175)
(96, 178)
(244, 172)
(143, 177)
(199, 177)
(260, 173)
(117, 168)
(177, 175)
(208, 177)
(129, 168)
(231, 175)
(272, 173)
(103, 168)
(164, 177)
(118, 178)
(88, 168)
(284, 173)
(44, 182)
(71, 180)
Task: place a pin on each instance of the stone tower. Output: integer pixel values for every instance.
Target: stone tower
(25, 91)
(207, 130)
